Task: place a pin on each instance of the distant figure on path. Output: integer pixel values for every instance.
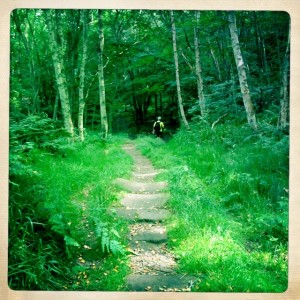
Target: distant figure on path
(158, 127)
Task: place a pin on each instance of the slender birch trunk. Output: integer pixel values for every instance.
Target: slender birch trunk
(241, 71)
(284, 92)
(104, 123)
(81, 100)
(182, 114)
(60, 76)
(198, 66)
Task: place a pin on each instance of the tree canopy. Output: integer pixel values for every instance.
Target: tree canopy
(138, 66)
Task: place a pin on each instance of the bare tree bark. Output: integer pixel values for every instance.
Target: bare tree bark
(81, 101)
(104, 123)
(60, 75)
(241, 71)
(182, 114)
(198, 70)
(284, 92)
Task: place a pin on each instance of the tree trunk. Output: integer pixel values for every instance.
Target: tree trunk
(160, 104)
(284, 92)
(81, 99)
(155, 104)
(278, 42)
(182, 114)
(198, 66)
(104, 123)
(60, 75)
(241, 71)
(233, 93)
(74, 20)
(34, 76)
(261, 49)
(222, 43)
(55, 107)
(93, 117)
(215, 61)
(146, 104)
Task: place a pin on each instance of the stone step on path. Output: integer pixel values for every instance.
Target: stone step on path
(144, 246)
(156, 283)
(153, 267)
(144, 177)
(146, 215)
(141, 186)
(150, 236)
(145, 201)
(153, 233)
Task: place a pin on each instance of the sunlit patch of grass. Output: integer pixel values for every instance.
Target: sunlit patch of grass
(229, 205)
(223, 264)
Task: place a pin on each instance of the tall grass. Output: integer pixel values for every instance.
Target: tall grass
(60, 235)
(229, 189)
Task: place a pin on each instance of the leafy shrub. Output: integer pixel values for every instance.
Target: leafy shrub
(36, 260)
(32, 133)
(53, 202)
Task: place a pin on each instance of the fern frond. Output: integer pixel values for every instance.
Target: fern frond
(116, 247)
(109, 244)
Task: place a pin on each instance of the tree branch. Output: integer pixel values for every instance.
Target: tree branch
(214, 123)
(187, 62)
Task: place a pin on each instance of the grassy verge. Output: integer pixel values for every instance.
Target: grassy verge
(61, 237)
(229, 224)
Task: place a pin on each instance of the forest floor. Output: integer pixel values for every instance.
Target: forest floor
(204, 212)
(153, 266)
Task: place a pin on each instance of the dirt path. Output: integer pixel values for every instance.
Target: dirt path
(153, 267)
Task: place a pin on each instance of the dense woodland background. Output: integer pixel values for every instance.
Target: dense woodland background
(80, 78)
(57, 57)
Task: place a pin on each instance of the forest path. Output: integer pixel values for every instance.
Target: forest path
(153, 267)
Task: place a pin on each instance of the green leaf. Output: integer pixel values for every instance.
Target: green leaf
(115, 232)
(116, 247)
(58, 229)
(71, 242)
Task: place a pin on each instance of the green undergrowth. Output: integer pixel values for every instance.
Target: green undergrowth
(229, 203)
(60, 234)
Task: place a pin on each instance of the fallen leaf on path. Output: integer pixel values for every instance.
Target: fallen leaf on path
(132, 251)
